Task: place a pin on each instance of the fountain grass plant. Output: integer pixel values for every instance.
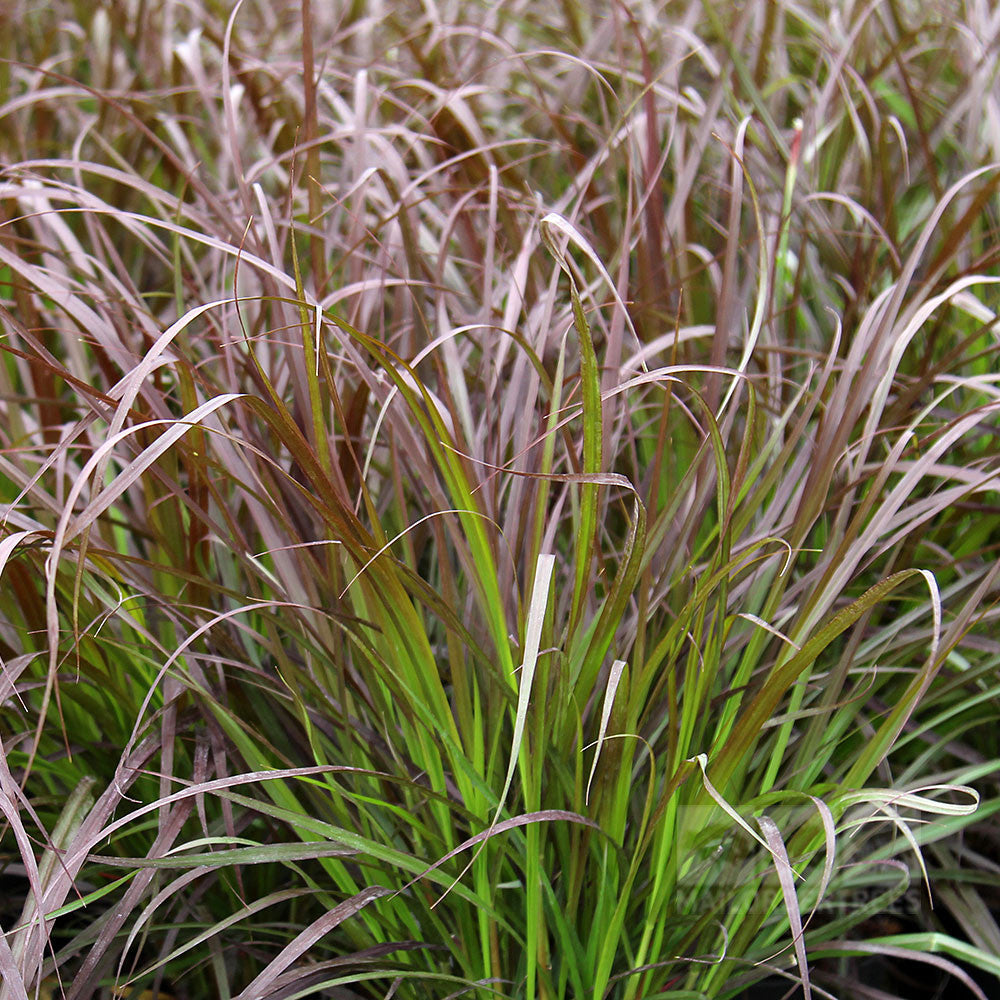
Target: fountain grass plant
(497, 500)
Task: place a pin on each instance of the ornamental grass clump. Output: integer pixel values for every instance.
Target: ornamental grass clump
(498, 501)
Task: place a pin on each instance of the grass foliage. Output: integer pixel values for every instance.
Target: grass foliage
(497, 500)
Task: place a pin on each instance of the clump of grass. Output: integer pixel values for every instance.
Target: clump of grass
(497, 502)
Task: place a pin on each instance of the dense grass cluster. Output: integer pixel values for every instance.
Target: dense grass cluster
(499, 500)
